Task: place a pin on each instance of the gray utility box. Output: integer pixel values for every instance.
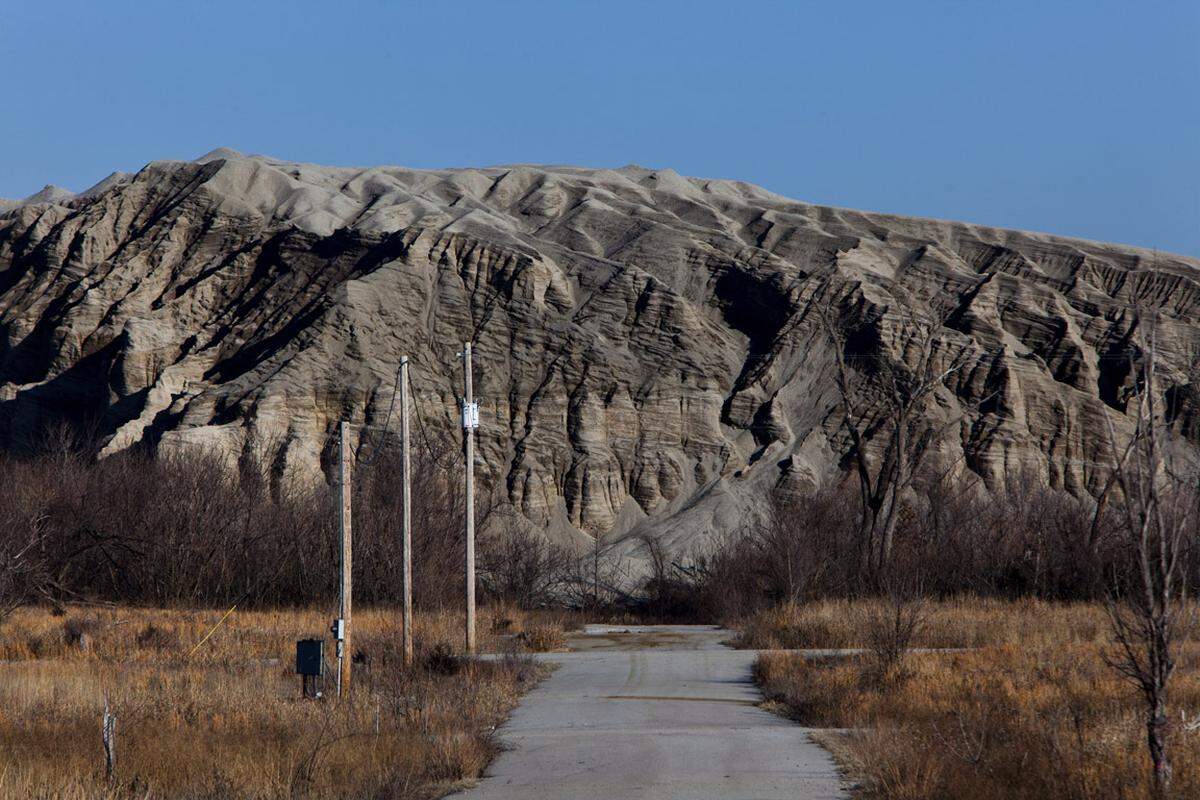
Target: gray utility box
(310, 657)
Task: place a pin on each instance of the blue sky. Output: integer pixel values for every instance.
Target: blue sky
(1078, 118)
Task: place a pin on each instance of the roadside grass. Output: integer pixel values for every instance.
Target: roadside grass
(543, 638)
(1033, 711)
(955, 623)
(537, 632)
(229, 722)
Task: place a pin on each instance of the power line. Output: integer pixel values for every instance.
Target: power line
(387, 421)
(429, 451)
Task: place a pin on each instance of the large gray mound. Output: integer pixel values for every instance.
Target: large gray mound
(647, 356)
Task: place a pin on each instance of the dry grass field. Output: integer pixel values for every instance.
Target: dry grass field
(963, 622)
(229, 722)
(1031, 710)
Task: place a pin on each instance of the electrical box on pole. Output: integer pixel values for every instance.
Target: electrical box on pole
(470, 416)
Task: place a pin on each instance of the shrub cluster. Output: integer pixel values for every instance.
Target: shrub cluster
(1028, 541)
(186, 530)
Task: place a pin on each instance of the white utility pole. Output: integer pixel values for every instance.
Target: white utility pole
(341, 627)
(470, 420)
(406, 518)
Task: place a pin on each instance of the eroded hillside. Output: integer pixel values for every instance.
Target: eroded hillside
(647, 352)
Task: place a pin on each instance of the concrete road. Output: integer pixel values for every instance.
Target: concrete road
(654, 713)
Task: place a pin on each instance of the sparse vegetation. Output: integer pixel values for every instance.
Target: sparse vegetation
(544, 637)
(1023, 706)
(228, 721)
(1070, 615)
(1094, 699)
(962, 622)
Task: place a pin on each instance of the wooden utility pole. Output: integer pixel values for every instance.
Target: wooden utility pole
(406, 516)
(469, 421)
(345, 608)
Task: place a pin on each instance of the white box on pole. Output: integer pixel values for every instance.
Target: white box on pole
(470, 416)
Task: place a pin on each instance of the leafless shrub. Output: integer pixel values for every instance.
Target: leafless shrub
(595, 580)
(78, 631)
(680, 587)
(23, 563)
(152, 637)
(1023, 539)
(518, 566)
(952, 535)
(438, 537)
(893, 625)
(184, 528)
(440, 659)
(32, 490)
(804, 548)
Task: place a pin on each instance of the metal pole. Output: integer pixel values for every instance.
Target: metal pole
(406, 518)
(469, 455)
(345, 608)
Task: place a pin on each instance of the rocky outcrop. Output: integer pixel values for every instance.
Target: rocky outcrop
(647, 356)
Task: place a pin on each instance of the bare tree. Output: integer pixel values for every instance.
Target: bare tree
(518, 565)
(22, 564)
(1156, 512)
(799, 547)
(596, 578)
(887, 398)
(680, 585)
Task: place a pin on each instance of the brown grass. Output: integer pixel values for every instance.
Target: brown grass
(544, 638)
(1034, 713)
(228, 722)
(543, 631)
(962, 622)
